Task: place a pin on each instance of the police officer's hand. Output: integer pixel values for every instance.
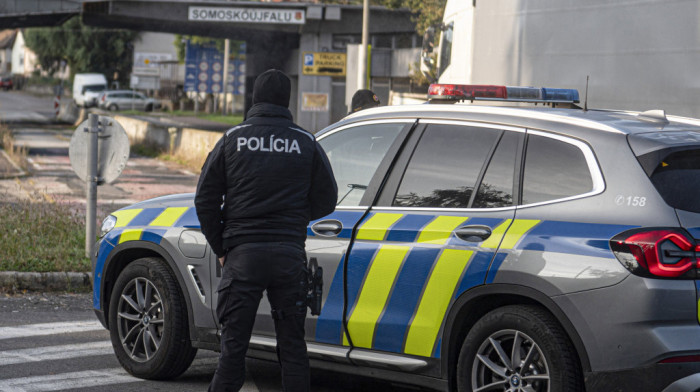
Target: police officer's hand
(221, 260)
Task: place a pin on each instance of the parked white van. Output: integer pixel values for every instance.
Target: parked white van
(87, 88)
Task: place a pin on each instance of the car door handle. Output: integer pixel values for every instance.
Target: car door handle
(473, 233)
(327, 228)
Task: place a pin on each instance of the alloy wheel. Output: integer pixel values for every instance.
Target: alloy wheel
(510, 361)
(140, 319)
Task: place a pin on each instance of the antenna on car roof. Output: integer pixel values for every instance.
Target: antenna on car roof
(585, 97)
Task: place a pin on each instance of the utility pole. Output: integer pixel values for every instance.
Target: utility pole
(224, 80)
(362, 79)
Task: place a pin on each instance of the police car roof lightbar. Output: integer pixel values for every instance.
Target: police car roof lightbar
(473, 92)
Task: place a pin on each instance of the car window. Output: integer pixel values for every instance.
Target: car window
(445, 166)
(677, 178)
(355, 154)
(554, 170)
(496, 189)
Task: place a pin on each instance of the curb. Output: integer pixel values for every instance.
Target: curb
(11, 281)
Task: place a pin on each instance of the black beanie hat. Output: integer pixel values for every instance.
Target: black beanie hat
(363, 99)
(272, 86)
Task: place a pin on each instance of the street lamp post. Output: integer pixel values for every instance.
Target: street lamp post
(362, 78)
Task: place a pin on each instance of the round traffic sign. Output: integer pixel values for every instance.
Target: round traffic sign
(112, 150)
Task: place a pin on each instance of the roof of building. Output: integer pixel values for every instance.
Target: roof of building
(7, 38)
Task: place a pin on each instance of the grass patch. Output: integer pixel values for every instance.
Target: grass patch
(42, 237)
(7, 143)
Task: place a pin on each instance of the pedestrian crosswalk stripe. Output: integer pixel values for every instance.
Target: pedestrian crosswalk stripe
(23, 331)
(53, 353)
(68, 381)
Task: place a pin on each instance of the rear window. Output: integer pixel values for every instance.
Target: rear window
(677, 178)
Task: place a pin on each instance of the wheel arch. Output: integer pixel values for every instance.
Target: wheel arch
(475, 303)
(127, 252)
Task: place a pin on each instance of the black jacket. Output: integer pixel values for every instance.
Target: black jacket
(272, 177)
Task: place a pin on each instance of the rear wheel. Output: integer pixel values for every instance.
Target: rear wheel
(149, 107)
(148, 321)
(518, 348)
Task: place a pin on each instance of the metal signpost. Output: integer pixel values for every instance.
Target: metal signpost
(99, 149)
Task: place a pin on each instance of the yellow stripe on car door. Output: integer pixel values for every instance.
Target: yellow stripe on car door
(443, 280)
(376, 227)
(440, 229)
(374, 294)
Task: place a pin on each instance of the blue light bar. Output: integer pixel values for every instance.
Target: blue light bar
(560, 94)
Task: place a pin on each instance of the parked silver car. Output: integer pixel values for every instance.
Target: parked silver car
(126, 99)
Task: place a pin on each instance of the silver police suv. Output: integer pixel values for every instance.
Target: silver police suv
(474, 248)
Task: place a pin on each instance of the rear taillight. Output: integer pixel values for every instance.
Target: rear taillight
(658, 252)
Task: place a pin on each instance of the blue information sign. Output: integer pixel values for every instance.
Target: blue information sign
(204, 68)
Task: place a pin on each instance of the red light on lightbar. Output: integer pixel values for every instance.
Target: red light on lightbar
(462, 91)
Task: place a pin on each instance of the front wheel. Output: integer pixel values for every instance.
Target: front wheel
(113, 108)
(518, 348)
(148, 322)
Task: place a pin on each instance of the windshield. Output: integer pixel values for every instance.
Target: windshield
(94, 87)
(446, 48)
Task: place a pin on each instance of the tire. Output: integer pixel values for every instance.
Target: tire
(150, 335)
(149, 108)
(553, 366)
(113, 108)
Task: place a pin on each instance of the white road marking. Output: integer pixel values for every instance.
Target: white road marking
(69, 381)
(36, 165)
(23, 331)
(52, 353)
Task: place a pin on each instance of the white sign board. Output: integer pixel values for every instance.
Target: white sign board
(146, 63)
(247, 15)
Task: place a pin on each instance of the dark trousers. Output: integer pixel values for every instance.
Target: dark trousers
(277, 267)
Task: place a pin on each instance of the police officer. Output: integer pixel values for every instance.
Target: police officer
(273, 178)
(363, 99)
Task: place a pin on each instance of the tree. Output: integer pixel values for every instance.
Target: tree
(83, 48)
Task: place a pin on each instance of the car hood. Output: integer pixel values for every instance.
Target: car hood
(177, 200)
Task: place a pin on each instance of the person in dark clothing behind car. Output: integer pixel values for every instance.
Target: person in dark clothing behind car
(363, 99)
(273, 178)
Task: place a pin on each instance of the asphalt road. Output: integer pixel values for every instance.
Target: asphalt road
(53, 342)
